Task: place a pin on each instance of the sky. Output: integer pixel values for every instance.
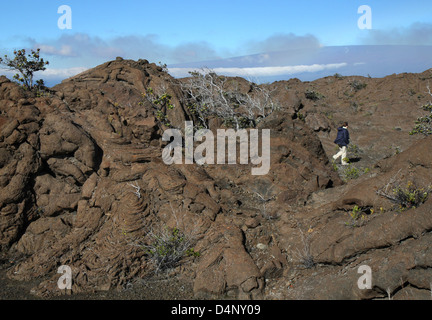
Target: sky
(175, 32)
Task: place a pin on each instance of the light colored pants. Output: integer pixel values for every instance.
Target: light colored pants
(342, 153)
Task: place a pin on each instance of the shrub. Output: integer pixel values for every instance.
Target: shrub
(300, 116)
(335, 167)
(354, 150)
(423, 125)
(208, 94)
(304, 256)
(404, 197)
(26, 65)
(168, 247)
(357, 217)
(357, 85)
(313, 95)
(354, 106)
(350, 173)
(410, 196)
(161, 102)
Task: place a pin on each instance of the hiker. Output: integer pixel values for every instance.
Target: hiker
(342, 140)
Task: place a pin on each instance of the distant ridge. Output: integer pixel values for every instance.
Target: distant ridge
(311, 64)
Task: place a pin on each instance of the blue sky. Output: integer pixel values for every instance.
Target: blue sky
(174, 31)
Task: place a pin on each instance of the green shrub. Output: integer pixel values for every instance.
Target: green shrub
(313, 95)
(357, 85)
(335, 167)
(410, 196)
(350, 173)
(357, 217)
(404, 197)
(354, 150)
(161, 102)
(168, 247)
(423, 125)
(301, 116)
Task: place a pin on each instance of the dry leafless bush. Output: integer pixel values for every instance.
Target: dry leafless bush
(209, 94)
(304, 256)
(165, 246)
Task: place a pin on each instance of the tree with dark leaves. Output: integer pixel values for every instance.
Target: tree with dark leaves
(26, 65)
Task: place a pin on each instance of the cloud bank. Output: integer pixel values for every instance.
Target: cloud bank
(150, 47)
(283, 54)
(415, 34)
(262, 71)
(284, 42)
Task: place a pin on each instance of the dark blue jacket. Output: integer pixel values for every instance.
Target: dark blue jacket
(342, 138)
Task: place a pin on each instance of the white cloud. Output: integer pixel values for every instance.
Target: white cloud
(95, 49)
(60, 73)
(283, 42)
(262, 71)
(415, 34)
(65, 50)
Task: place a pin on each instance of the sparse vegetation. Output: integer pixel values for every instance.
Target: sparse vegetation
(404, 196)
(396, 149)
(161, 101)
(354, 106)
(264, 200)
(358, 216)
(350, 173)
(163, 66)
(354, 150)
(410, 196)
(411, 92)
(329, 115)
(423, 125)
(168, 247)
(313, 95)
(357, 85)
(301, 116)
(304, 256)
(335, 167)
